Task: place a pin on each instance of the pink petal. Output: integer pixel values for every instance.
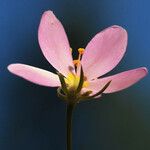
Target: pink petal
(119, 81)
(54, 43)
(104, 51)
(35, 75)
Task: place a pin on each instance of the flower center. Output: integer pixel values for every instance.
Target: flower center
(73, 80)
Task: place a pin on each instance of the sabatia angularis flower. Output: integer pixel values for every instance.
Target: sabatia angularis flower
(80, 79)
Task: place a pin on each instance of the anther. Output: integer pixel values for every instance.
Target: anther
(70, 49)
(81, 51)
(76, 62)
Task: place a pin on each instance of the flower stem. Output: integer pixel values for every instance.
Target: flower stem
(70, 108)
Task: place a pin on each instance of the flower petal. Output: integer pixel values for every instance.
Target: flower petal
(35, 75)
(104, 51)
(119, 81)
(54, 43)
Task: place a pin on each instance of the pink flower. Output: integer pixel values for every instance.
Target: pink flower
(100, 56)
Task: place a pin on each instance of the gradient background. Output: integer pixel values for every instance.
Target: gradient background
(33, 118)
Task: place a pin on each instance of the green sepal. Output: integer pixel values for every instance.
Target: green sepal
(85, 96)
(81, 81)
(63, 83)
(101, 91)
(60, 95)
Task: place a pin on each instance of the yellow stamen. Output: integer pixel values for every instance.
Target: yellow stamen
(81, 51)
(72, 80)
(70, 49)
(85, 84)
(76, 62)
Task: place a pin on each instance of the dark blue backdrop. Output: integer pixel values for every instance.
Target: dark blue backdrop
(33, 118)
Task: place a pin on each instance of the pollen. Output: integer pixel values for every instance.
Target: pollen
(85, 84)
(70, 49)
(81, 51)
(76, 62)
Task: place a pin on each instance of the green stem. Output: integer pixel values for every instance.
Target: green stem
(70, 108)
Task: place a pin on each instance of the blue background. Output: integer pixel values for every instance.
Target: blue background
(33, 118)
